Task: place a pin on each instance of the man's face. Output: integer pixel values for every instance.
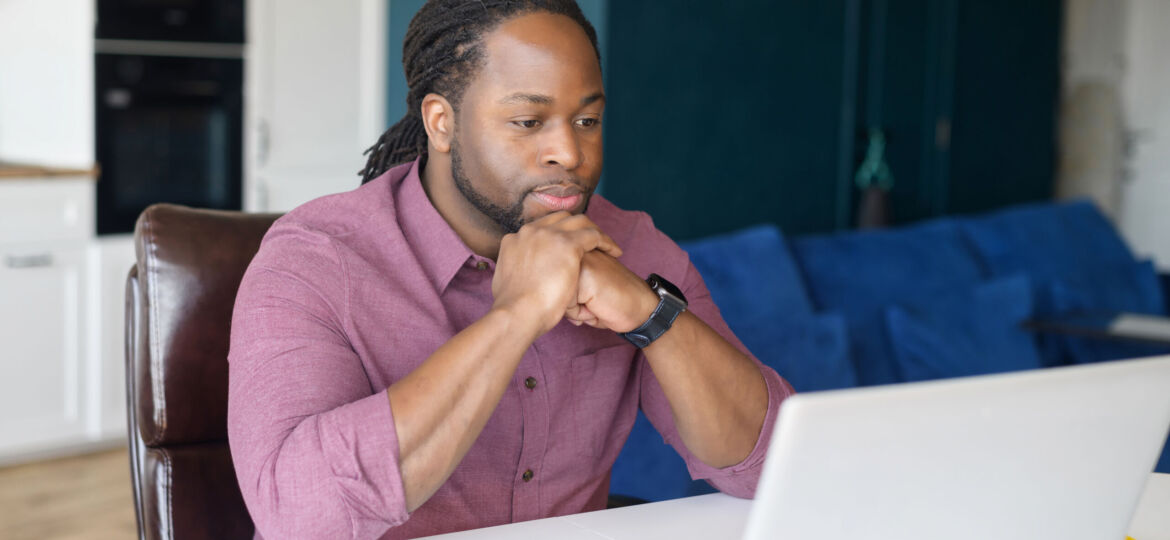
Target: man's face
(527, 139)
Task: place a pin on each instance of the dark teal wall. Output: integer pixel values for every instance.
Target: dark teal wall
(726, 114)
(401, 11)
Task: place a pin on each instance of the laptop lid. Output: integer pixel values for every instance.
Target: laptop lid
(1059, 453)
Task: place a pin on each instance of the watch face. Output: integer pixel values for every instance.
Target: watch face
(656, 281)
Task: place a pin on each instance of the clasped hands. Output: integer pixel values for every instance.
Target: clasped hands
(564, 266)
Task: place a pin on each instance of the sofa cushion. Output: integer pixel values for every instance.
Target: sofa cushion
(860, 274)
(811, 353)
(971, 332)
(1121, 288)
(650, 469)
(751, 275)
(1046, 240)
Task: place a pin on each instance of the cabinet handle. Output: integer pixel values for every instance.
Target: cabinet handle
(40, 260)
(262, 140)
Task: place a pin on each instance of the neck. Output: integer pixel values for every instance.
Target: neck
(477, 231)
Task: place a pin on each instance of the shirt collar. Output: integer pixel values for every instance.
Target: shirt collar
(439, 249)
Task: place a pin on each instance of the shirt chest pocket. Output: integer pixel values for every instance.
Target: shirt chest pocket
(603, 400)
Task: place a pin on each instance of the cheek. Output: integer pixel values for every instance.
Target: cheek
(594, 155)
(505, 159)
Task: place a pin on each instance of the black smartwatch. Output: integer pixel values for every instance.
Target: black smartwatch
(671, 303)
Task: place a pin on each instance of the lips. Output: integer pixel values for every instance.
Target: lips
(559, 197)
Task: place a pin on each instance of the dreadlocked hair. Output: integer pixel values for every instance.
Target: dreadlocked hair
(441, 53)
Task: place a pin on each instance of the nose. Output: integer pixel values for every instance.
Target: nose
(560, 147)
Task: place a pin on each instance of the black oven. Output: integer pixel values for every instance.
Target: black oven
(169, 106)
(168, 129)
(202, 21)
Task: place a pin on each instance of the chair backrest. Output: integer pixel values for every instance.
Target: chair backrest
(179, 300)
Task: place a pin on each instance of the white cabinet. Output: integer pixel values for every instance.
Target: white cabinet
(110, 259)
(315, 85)
(46, 81)
(45, 229)
(42, 327)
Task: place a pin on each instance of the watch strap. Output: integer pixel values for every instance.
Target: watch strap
(668, 309)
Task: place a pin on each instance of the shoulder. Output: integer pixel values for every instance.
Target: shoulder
(342, 213)
(310, 235)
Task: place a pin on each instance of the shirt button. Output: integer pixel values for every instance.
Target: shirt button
(481, 265)
(527, 476)
(530, 383)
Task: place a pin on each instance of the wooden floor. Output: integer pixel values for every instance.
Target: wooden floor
(86, 497)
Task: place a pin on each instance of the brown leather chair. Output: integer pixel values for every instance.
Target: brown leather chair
(179, 299)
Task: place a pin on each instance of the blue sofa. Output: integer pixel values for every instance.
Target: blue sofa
(943, 298)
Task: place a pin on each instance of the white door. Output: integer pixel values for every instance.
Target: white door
(315, 78)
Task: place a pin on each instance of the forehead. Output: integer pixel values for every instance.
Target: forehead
(539, 53)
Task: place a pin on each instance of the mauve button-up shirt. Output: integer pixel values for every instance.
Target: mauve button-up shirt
(351, 292)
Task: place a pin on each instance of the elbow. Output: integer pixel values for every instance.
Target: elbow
(293, 494)
(318, 511)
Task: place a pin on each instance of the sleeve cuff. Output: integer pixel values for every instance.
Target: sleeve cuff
(740, 479)
(360, 444)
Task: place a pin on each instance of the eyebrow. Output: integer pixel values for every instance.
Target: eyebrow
(593, 98)
(542, 99)
(533, 99)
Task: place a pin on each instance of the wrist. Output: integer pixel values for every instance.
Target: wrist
(646, 301)
(518, 321)
(670, 303)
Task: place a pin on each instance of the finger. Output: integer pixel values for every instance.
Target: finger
(595, 239)
(589, 235)
(583, 314)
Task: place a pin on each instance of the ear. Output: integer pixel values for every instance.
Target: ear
(438, 118)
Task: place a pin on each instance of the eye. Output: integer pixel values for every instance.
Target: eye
(526, 124)
(589, 122)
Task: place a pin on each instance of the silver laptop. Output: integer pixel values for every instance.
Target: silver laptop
(1051, 454)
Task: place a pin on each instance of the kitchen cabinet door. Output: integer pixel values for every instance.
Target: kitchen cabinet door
(315, 87)
(42, 346)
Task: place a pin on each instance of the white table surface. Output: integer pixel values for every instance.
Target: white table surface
(717, 516)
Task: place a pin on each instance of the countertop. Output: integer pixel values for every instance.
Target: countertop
(9, 171)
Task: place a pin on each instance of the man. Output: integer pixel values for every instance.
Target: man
(465, 340)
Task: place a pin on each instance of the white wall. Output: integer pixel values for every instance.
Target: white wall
(1145, 205)
(46, 82)
(1092, 130)
(1115, 116)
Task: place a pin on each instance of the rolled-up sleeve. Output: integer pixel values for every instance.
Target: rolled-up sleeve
(740, 479)
(314, 445)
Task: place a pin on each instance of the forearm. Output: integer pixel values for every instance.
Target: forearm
(717, 395)
(441, 407)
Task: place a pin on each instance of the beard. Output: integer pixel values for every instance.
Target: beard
(509, 218)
